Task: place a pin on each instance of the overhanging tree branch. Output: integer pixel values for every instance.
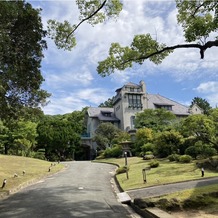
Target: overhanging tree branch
(85, 19)
(202, 49)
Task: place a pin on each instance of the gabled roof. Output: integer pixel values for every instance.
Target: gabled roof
(99, 112)
(129, 84)
(177, 108)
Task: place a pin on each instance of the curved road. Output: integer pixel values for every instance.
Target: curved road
(170, 188)
(84, 189)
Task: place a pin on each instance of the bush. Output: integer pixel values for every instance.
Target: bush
(122, 169)
(154, 164)
(148, 157)
(174, 157)
(116, 151)
(185, 159)
(148, 147)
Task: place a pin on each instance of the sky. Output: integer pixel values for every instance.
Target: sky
(71, 76)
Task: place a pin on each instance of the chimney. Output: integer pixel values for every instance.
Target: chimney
(142, 84)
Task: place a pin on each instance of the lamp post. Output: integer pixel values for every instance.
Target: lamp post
(125, 155)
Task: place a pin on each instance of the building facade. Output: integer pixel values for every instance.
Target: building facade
(129, 100)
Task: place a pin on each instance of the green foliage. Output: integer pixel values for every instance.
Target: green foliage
(122, 169)
(60, 135)
(202, 103)
(174, 157)
(157, 120)
(198, 19)
(142, 138)
(185, 159)
(108, 103)
(154, 164)
(201, 127)
(116, 151)
(93, 12)
(20, 76)
(105, 133)
(201, 149)
(60, 33)
(120, 58)
(199, 22)
(148, 148)
(192, 151)
(167, 142)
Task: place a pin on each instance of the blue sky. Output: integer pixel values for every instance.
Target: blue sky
(71, 76)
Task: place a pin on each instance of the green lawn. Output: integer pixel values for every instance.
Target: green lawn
(167, 172)
(34, 169)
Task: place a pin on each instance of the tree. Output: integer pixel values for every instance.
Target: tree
(93, 12)
(105, 133)
(167, 143)
(24, 138)
(199, 22)
(156, 119)
(21, 46)
(214, 117)
(108, 103)
(202, 103)
(142, 137)
(198, 19)
(60, 135)
(200, 127)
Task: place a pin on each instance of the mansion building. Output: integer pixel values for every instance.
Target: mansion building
(129, 100)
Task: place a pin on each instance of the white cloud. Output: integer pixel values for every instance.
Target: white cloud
(72, 77)
(208, 87)
(63, 101)
(210, 91)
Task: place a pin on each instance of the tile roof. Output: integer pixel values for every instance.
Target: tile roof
(177, 108)
(98, 112)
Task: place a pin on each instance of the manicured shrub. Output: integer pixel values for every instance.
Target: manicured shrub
(185, 159)
(173, 157)
(116, 151)
(154, 164)
(148, 157)
(122, 169)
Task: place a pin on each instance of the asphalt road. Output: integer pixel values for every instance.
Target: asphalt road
(170, 188)
(84, 189)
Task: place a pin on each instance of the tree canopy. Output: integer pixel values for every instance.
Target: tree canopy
(202, 103)
(199, 22)
(21, 47)
(198, 19)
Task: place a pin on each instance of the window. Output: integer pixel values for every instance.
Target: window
(167, 107)
(132, 122)
(106, 114)
(134, 100)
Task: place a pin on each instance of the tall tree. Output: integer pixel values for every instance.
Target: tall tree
(108, 103)
(105, 133)
(60, 135)
(158, 119)
(201, 127)
(202, 103)
(21, 46)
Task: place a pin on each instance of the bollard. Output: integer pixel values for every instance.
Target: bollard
(144, 173)
(4, 183)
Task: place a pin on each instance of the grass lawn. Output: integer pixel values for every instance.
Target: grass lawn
(166, 172)
(34, 169)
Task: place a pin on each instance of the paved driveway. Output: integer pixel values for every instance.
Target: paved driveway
(170, 188)
(83, 190)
